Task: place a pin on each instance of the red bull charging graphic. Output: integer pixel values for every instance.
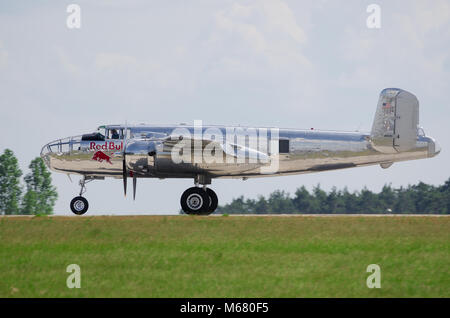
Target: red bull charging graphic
(100, 156)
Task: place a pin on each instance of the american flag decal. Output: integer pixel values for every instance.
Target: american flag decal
(387, 108)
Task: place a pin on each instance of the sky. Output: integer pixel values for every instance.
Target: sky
(296, 64)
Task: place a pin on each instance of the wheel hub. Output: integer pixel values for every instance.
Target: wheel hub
(194, 201)
(79, 205)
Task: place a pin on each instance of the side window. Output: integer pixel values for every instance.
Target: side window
(283, 146)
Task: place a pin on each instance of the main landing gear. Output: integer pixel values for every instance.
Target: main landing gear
(199, 200)
(79, 205)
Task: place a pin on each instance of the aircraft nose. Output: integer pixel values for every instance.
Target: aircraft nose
(58, 148)
(45, 154)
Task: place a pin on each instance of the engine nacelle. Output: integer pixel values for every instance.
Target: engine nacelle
(140, 156)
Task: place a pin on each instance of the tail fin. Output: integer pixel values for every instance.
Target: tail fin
(396, 121)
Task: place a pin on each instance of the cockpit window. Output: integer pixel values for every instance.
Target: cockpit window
(115, 133)
(102, 130)
(96, 136)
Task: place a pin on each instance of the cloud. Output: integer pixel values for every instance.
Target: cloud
(265, 29)
(408, 48)
(424, 19)
(115, 61)
(280, 16)
(66, 62)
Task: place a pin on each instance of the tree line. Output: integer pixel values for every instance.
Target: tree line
(420, 198)
(39, 196)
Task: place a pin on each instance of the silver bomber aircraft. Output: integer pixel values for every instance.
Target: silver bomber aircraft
(207, 152)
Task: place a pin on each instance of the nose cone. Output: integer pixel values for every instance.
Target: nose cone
(45, 154)
(57, 154)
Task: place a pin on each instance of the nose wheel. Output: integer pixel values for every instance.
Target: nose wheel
(79, 205)
(199, 201)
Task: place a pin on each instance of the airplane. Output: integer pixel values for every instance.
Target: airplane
(203, 153)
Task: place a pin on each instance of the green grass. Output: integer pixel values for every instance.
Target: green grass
(234, 256)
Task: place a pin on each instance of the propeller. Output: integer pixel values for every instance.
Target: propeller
(125, 172)
(124, 164)
(134, 187)
(124, 175)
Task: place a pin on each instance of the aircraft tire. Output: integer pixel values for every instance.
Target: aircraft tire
(213, 201)
(195, 201)
(79, 205)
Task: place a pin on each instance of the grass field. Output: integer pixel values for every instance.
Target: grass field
(224, 256)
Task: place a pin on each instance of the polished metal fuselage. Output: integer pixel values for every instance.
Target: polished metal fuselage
(147, 156)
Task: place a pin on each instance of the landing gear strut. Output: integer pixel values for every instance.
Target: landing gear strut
(199, 200)
(79, 205)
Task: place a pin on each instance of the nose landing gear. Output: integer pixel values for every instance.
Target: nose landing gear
(79, 205)
(199, 201)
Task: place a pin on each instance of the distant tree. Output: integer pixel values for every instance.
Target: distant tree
(340, 202)
(249, 206)
(350, 201)
(332, 201)
(404, 201)
(368, 202)
(10, 189)
(420, 198)
(261, 205)
(302, 200)
(438, 201)
(445, 191)
(319, 204)
(280, 202)
(41, 194)
(426, 198)
(386, 199)
(237, 206)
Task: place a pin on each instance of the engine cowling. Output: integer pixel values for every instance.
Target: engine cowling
(140, 156)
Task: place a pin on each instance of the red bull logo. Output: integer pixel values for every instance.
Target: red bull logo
(100, 156)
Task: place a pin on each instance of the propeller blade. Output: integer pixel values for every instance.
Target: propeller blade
(124, 164)
(134, 187)
(124, 177)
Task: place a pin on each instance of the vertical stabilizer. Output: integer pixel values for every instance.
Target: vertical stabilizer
(396, 121)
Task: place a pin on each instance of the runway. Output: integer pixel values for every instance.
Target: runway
(229, 215)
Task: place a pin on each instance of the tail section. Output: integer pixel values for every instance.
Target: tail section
(396, 121)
